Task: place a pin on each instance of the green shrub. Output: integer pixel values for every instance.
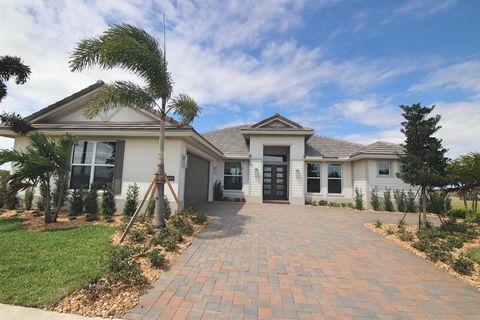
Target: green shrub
(358, 199)
(200, 217)
(431, 233)
(378, 223)
(11, 200)
(401, 224)
(131, 203)
(60, 189)
(401, 200)
(463, 265)
(454, 242)
(405, 235)
(138, 235)
(473, 218)
(350, 205)
(157, 259)
(422, 245)
(474, 254)
(217, 191)
(4, 174)
(438, 253)
(387, 200)
(29, 194)
(91, 217)
(344, 205)
(167, 238)
(438, 202)
(124, 268)
(77, 199)
(390, 231)
(91, 201)
(375, 199)
(108, 206)
(182, 225)
(323, 203)
(411, 205)
(456, 214)
(151, 208)
(168, 209)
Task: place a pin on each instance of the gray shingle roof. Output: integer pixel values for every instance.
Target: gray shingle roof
(382, 147)
(318, 146)
(228, 139)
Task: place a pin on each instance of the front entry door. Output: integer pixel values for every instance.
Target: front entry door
(274, 182)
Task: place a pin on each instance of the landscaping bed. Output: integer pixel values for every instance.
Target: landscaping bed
(453, 246)
(134, 265)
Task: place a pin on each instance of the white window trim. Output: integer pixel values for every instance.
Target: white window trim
(332, 178)
(91, 165)
(233, 175)
(319, 178)
(390, 169)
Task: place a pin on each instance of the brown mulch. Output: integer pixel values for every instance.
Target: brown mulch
(115, 300)
(472, 280)
(38, 223)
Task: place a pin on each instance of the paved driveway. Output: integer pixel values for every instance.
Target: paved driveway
(274, 261)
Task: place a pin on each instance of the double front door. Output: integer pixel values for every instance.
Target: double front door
(274, 182)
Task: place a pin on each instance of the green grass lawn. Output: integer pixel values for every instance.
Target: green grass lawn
(458, 204)
(37, 268)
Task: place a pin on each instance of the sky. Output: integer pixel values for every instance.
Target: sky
(340, 67)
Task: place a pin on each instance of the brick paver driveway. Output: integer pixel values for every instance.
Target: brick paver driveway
(274, 261)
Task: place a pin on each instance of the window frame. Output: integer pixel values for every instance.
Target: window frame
(93, 164)
(390, 167)
(315, 178)
(334, 178)
(233, 175)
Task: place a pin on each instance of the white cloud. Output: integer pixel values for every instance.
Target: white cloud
(464, 76)
(422, 8)
(370, 112)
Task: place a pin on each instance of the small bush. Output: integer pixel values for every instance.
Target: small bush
(375, 199)
(387, 200)
(217, 191)
(200, 217)
(474, 254)
(438, 202)
(157, 259)
(108, 206)
(138, 235)
(167, 238)
(457, 214)
(463, 265)
(358, 199)
(182, 225)
(350, 205)
(29, 194)
(91, 217)
(389, 231)
(411, 205)
(344, 205)
(422, 245)
(430, 234)
(91, 201)
(401, 224)
(378, 224)
(401, 200)
(168, 209)
(77, 199)
(124, 268)
(438, 253)
(11, 200)
(131, 203)
(405, 235)
(454, 242)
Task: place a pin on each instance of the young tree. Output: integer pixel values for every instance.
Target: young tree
(423, 160)
(464, 174)
(131, 203)
(42, 160)
(12, 67)
(133, 49)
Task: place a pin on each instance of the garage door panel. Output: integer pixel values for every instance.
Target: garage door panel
(196, 180)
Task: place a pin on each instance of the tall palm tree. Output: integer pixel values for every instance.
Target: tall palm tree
(133, 49)
(42, 160)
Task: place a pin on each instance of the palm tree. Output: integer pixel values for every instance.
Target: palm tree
(41, 161)
(134, 50)
(10, 67)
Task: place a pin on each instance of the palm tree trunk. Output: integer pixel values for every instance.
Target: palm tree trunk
(159, 217)
(48, 217)
(424, 206)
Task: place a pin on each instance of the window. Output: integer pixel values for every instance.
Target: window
(334, 178)
(383, 167)
(313, 177)
(93, 163)
(274, 158)
(232, 176)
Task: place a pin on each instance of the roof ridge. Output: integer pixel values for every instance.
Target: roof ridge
(227, 128)
(341, 140)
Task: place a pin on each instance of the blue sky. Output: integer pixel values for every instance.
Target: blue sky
(340, 67)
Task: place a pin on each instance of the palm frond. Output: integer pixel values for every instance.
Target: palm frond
(119, 94)
(185, 107)
(86, 54)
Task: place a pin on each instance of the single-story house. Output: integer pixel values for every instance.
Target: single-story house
(275, 159)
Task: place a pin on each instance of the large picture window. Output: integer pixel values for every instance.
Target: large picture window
(232, 176)
(93, 164)
(334, 178)
(313, 177)
(383, 167)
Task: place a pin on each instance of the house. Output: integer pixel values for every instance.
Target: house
(275, 159)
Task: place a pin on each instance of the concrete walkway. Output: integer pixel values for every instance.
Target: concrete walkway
(9, 312)
(273, 261)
